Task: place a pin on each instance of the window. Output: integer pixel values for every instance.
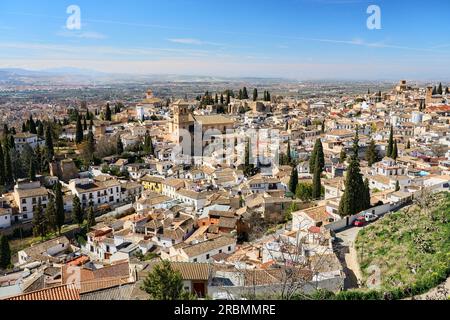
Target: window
(229, 248)
(207, 257)
(195, 260)
(220, 251)
(24, 201)
(24, 209)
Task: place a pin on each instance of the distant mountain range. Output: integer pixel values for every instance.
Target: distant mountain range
(67, 75)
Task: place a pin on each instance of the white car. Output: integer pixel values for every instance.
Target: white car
(370, 217)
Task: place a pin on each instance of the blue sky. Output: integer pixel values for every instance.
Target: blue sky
(301, 39)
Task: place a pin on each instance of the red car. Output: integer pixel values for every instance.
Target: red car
(360, 222)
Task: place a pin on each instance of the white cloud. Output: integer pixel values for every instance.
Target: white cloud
(82, 34)
(187, 41)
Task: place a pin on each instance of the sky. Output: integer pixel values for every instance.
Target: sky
(298, 39)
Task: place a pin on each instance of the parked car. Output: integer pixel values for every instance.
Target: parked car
(370, 217)
(360, 221)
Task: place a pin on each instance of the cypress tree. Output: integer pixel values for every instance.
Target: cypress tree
(91, 216)
(342, 156)
(372, 154)
(50, 215)
(397, 186)
(317, 155)
(395, 151)
(32, 126)
(439, 89)
(390, 147)
(49, 143)
(366, 195)
(408, 144)
(5, 252)
(148, 145)
(108, 115)
(248, 167)
(32, 171)
(293, 181)
(288, 153)
(77, 211)
(255, 94)
(221, 99)
(228, 98)
(9, 178)
(39, 221)
(40, 130)
(119, 146)
(244, 93)
(91, 125)
(85, 126)
(352, 201)
(317, 184)
(59, 207)
(2, 167)
(79, 131)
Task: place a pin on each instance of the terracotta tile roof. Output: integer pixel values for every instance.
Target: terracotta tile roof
(207, 246)
(100, 284)
(188, 270)
(64, 292)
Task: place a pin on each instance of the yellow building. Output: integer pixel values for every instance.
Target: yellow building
(152, 183)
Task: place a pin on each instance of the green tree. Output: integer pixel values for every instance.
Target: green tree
(91, 125)
(2, 167)
(40, 130)
(5, 252)
(32, 171)
(372, 155)
(77, 211)
(32, 126)
(108, 115)
(397, 186)
(293, 181)
(50, 215)
(317, 155)
(255, 94)
(39, 221)
(9, 177)
(244, 93)
(49, 143)
(439, 89)
(90, 147)
(352, 201)
(248, 166)
(119, 146)
(148, 145)
(304, 191)
(79, 135)
(85, 126)
(59, 207)
(317, 184)
(342, 156)
(164, 283)
(408, 144)
(91, 216)
(289, 153)
(394, 154)
(390, 146)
